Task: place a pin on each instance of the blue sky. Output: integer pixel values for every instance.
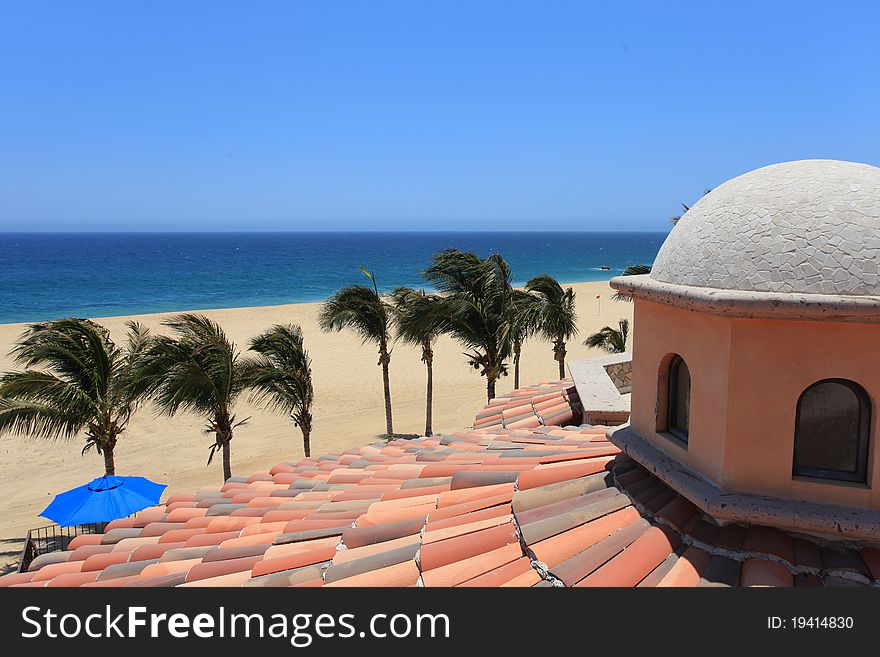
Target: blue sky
(208, 115)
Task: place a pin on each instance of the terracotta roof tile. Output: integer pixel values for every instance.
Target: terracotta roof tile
(871, 557)
(731, 537)
(720, 571)
(842, 559)
(345, 555)
(441, 553)
(459, 572)
(573, 570)
(359, 536)
(400, 574)
(501, 575)
(761, 572)
(637, 560)
(688, 568)
(371, 562)
(306, 556)
(502, 510)
(768, 540)
(841, 582)
(523, 500)
(547, 527)
(514, 505)
(656, 576)
(287, 577)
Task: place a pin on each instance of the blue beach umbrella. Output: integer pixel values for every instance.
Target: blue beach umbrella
(103, 499)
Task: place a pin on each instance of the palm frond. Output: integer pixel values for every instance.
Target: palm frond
(280, 376)
(38, 420)
(477, 307)
(419, 318)
(197, 370)
(75, 380)
(558, 320)
(609, 339)
(360, 309)
(631, 270)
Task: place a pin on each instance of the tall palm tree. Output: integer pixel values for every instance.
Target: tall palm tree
(76, 380)
(363, 310)
(197, 370)
(525, 323)
(558, 320)
(611, 340)
(477, 307)
(281, 376)
(632, 270)
(420, 321)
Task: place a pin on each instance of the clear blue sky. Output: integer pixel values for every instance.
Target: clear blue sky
(212, 115)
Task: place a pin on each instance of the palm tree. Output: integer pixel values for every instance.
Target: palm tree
(558, 320)
(420, 322)
(477, 308)
(363, 310)
(83, 384)
(674, 220)
(636, 270)
(611, 340)
(526, 321)
(197, 370)
(632, 270)
(281, 376)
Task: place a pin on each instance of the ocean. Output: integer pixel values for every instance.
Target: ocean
(53, 275)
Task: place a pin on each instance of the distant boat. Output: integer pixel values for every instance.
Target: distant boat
(605, 268)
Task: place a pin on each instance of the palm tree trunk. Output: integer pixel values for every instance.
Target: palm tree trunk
(227, 456)
(517, 353)
(307, 447)
(559, 354)
(490, 387)
(109, 462)
(384, 360)
(429, 397)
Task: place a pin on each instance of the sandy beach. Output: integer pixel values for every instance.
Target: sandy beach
(348, 409)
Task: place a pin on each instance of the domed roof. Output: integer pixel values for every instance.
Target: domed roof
(811, 227)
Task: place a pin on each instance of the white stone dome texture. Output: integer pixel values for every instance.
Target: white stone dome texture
(808, 227)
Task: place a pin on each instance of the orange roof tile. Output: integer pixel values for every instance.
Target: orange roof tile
(496, 506)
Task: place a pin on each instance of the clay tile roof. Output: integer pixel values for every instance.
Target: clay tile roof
(551, 403)
(501, 505)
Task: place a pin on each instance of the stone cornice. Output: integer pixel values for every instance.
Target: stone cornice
(833, 521)
(751, 305)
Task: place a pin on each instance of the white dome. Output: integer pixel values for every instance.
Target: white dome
(810, 227)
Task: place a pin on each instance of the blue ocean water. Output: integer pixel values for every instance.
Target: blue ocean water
(48, 276)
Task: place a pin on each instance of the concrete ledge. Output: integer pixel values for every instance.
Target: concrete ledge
(827, 520)
(760, 305)
(597, 392)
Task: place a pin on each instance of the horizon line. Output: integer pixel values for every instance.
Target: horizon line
(315, 231)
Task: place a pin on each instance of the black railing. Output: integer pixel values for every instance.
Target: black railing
(51, 538)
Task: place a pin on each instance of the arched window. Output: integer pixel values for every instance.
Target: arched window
(831, 431)
(679, 398)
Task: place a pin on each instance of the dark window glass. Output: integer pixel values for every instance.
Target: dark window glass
(679, 398)
(831, 434)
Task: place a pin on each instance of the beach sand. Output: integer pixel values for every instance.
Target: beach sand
(349, 410)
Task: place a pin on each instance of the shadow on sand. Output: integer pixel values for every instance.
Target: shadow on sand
(10, 552)
(404, 436)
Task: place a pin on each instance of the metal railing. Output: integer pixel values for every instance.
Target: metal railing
(52, 538)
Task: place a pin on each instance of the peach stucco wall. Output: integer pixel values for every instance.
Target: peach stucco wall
(704, 344)
(746, 377)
